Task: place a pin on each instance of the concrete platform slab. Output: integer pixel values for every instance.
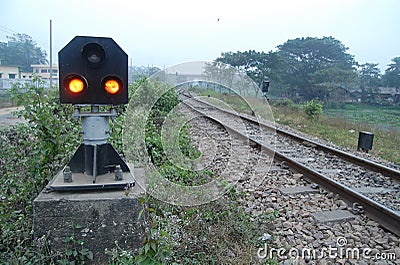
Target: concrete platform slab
(275, 169)
(304, 159)
(288, 151)
(333, 216)
(267, 168)
(373, 190)
(330, 171)
(298, 190)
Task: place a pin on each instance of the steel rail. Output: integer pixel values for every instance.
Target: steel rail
(386, 217)
(371, 165)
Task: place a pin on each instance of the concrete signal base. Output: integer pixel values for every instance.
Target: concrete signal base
(102, 217)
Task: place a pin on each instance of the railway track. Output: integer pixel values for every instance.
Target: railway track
(366, 185)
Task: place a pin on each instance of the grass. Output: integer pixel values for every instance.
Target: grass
(219, 232)
(343, 132)
(386, 117)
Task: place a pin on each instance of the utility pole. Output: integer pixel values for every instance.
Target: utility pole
(131, 70)
(51, 58)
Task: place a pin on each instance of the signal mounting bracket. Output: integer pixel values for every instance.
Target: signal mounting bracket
(95, 157)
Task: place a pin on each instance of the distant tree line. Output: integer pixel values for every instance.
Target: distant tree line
(137, 72)
(312, 68)
(20, 50)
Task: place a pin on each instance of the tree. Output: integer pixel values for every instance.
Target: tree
(369, 75)
(137, 72)
(224, 75)
(21, 50)
(302, 58)
(391, 77)
(257, 65)
(309, 67)
(332, 83)
(369, 79)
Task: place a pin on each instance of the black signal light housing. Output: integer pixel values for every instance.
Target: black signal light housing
(94, 61)
(265, 86)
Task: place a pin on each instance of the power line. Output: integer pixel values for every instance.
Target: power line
(7, 30)
(10, 31)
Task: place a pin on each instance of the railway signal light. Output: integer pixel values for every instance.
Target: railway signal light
(265, 86)
(93, 71)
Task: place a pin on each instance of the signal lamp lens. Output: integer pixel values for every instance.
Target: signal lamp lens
(94, 58)
(93, 52)
(76, 85)
(112, 86)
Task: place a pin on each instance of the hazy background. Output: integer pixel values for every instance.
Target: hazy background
(164, 33)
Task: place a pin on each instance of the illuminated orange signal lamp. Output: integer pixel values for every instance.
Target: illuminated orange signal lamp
(112, 86)
(76, 85)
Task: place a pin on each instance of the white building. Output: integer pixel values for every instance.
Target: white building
(10, 72)
(43, 71)
(10, 75)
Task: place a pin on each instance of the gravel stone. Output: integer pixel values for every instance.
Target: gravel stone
(364, 239)
(381, 241)
(287, 225)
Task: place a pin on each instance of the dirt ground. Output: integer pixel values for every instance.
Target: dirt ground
(7, 118)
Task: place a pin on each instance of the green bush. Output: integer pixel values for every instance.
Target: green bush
(313, 108)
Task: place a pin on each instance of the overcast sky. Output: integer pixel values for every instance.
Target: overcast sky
(164, 33)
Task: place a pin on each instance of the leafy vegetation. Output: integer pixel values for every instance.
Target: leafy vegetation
(216, 233)
(30, 155)
(300, 69)
(392, 73)
(286, 103)
(257, 65)
(307, 60)
(5, 100)
(75, 252)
